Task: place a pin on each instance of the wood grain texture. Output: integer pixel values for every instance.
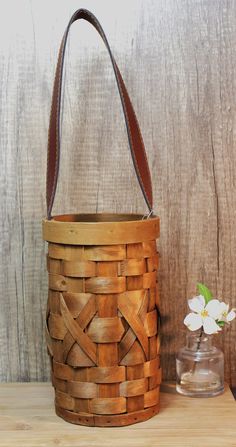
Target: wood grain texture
(178, 60)
(28, 419)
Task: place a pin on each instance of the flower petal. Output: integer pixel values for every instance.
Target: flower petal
(223, 312)
(210, 326)
(193, 321)
(197, 304)
(213, 308)
(231, 315)
(224, 307)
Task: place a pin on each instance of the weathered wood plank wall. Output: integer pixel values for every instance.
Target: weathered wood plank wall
(178, 59)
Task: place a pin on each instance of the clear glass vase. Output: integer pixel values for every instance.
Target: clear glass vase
(200, 367)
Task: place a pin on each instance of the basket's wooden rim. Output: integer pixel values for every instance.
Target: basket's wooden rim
(100, 229)
(117, 420)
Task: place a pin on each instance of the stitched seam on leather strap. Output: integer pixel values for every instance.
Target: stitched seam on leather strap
(49, 132)
(57, 122)
(131, 140)
(143, 146)
(57, 132)
(48, 158)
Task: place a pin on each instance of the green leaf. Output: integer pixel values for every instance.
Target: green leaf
(221, 323)
(204, 291)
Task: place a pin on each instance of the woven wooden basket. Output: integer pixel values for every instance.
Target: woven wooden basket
(102, 319)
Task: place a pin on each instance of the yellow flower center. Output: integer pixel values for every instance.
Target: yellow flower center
(224, 314)
(204, 313)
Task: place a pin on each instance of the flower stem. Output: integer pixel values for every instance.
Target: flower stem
(200, 339)
(198, 347)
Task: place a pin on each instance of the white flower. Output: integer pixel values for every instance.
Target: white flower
(225, 315)
(203, 315)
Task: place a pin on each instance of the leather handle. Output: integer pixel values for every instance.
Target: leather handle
(134, 135)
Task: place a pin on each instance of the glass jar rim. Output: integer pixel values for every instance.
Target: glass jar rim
(199, 338)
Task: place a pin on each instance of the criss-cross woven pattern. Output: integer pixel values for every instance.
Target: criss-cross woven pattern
(102, 332)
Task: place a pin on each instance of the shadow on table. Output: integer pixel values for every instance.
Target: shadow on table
(168, 387)
(168, 394)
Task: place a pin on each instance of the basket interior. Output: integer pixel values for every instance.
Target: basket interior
(102, 217)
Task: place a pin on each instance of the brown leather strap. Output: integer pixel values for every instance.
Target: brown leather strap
(135, 138)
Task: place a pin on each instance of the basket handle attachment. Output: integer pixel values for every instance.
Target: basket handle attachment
(134, 135)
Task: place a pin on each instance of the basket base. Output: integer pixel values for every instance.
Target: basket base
(107, 420)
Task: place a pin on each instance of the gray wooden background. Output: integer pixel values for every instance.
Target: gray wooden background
(178, 59)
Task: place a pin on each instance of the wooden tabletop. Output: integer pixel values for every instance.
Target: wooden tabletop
(27, 419)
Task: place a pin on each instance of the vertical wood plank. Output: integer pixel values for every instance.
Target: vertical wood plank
(107, 307)
(137, 402)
